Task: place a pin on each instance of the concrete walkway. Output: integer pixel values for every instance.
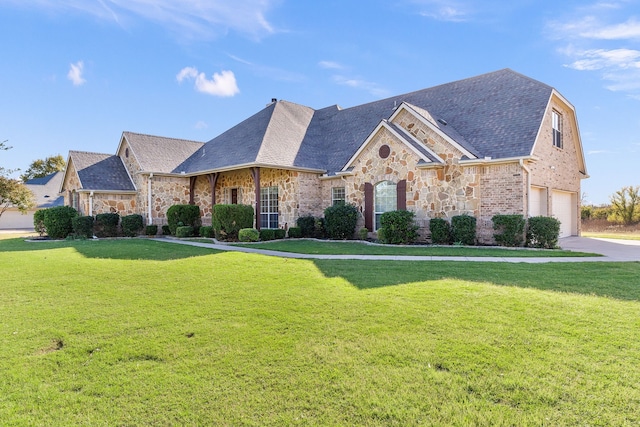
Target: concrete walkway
(613, 251)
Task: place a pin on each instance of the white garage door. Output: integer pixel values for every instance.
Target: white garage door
(14, 219)
(565, 209)
(538, 202)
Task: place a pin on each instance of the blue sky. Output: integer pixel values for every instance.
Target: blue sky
(77, 73)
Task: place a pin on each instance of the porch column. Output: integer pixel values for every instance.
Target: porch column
(192, 187)
(255, 173)
(213, 179)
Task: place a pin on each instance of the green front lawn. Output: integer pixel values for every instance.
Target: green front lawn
(140, 332)
(329, 247)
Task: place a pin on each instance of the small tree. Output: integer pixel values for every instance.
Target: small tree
(43, 167)
(14, 193)
(625, 205)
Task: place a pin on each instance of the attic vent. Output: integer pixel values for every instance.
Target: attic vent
(442, 121)
(274, 99)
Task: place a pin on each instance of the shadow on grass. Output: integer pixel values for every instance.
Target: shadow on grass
(131, 249)
(613, 280)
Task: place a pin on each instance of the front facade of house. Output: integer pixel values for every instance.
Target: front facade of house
(500, 143)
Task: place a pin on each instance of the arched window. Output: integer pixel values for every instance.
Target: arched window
(385, 199)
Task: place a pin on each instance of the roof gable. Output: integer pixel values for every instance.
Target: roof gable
(157, 153)
(46, 190)
(101, 172)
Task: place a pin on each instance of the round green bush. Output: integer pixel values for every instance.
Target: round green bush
(295, 232)
(106, 224)
(248, 235)
(463, 229)
(132, 225)
(183, 215)
(398, 227)
(206, 231)
(340, 221)
(440, 231)
(280, 233)
(267, 234)
(57, 221)
(184, 231)
(151, 230)
(38, 221)
(83, 226)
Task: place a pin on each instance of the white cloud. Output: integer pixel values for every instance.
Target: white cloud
(596, 29)
(222, 84)
(444, 10)
(372, 88)
(201, 125)
(330, 65)
(75, 73)
(187, 18)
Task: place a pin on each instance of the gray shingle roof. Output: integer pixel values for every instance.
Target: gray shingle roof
(496, 114)
(101, 172)
(272, 136)
(45, 190)
(160, 154)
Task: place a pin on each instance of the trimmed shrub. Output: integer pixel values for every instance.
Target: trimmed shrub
(166, 231)
(82, 226)
(132, 225)
(307, 225)
(57, 221)
(280, 233)
(248, 235)
(267, 234)
(183, 215)
(440, 231)
(398, 227)
(151, 230)
(228, 220)
(340, 221)
(184, 231)
(295, 232)
(363, 233)
(38, 221)
(463, 229)
(106, 224)
(511, 229)
(543, 232)
(206, 231)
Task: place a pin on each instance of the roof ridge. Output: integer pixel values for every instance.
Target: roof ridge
(90, 152)
(162, 137)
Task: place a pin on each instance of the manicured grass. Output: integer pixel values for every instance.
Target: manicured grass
(305, 246)
(139, 332)
(621, 236)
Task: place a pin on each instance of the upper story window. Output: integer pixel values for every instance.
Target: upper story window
(556, 123)
(337, 195)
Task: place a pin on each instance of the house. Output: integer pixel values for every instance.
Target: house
(45, 191)
(498, 143)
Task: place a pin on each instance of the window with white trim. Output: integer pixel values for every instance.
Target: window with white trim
(337, 196)
(556, 124)
(385, 199)
(269, 207)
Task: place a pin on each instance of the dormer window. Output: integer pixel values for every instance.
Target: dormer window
(556, 123)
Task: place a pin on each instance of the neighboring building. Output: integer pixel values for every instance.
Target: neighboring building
(45, 191)
(499, 143)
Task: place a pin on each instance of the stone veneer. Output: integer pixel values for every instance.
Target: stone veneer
(481, 189)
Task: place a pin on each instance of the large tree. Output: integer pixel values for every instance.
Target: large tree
(13, 193)
(625, 205)
(43, 167)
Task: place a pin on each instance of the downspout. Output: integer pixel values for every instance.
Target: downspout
(149, 219)
(528, 171)
(91, 203)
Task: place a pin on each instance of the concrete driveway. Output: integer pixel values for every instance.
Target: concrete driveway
(612, 249)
